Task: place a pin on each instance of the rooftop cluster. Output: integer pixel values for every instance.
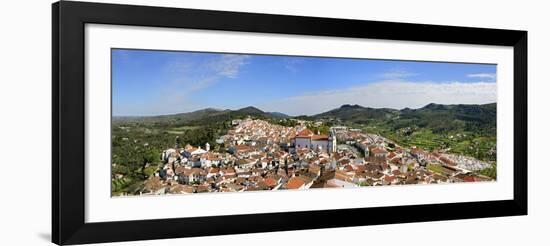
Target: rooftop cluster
(258, 155)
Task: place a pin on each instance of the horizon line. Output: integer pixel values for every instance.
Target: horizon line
(220, 109)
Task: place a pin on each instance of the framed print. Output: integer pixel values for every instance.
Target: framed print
(175, 122)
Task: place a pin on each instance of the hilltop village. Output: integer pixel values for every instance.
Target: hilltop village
(258, 155)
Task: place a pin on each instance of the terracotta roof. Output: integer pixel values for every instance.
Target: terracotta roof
(396, 172)
(469, 179)
(447, 161)
(213, 157)
(319, 137)
(202, 188)
(396, 161)
(389, 179)
(304, 133)
(342, 175)
(379, 151)
(348, 168)
(179, 189)
(270, 182)
(253, 188)
(228, 170)
(245, 161)
(360, 168)
(242, 147)
(294, 183)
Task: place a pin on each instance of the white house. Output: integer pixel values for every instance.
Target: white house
(190, 151)
(167, 153)
(306, 139)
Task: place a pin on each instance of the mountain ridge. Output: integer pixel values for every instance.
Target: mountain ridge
(438, 117)
(274, 113)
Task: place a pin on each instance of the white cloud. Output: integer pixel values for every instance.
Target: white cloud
(397, 75)
(191, 72)
(228, 65)
(292, 63)
(196, 75)
(387, 94)
(482, 75)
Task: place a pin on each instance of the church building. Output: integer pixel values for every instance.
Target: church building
(307, 139)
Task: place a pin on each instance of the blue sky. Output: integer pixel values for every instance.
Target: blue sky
(163, 82)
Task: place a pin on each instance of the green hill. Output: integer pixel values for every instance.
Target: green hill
(437, 117)
(464, 129)
(357, 114)
(196, 117)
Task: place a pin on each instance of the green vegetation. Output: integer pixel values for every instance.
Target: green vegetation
(463, 129)
(364, 183)
(137, 147)
(321, 129)
(436, 169)
(455, 141)
(489, 172)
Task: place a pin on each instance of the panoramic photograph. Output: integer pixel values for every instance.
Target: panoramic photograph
(198, 122)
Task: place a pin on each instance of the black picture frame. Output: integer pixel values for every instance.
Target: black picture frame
(68, 110)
